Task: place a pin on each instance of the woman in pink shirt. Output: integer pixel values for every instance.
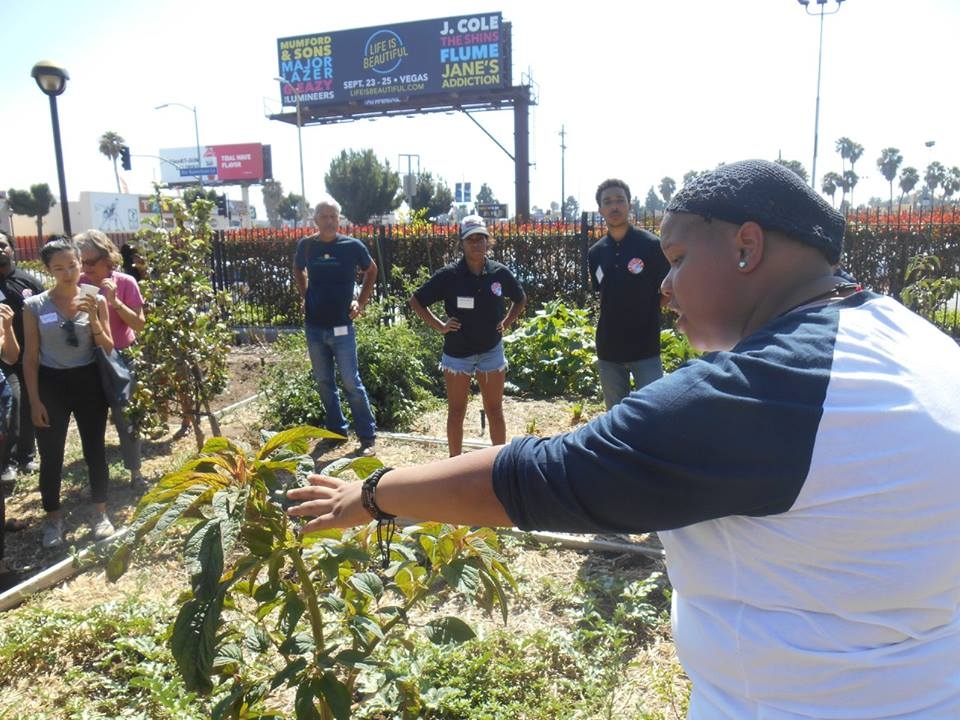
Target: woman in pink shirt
(100, 257)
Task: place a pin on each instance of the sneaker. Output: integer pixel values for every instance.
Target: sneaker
(103, 528)
(52, 534)
(31, 466)
(9, 474)
(368, 448)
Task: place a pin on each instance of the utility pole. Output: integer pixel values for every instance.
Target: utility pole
(563, 175)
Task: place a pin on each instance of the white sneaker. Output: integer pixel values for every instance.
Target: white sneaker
(103, 528)
(9, 474)
(52, 534)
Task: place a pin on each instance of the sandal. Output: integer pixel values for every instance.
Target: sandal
(14, 525)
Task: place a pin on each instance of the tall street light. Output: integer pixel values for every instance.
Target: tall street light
(816, 118)
(52, 79)
(196, 132)
(303, 193)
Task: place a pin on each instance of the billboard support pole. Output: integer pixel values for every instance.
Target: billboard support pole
(521, 132)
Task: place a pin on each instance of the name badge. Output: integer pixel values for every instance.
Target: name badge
(599, 275)
(48, 318)
(464, 303)
(341, 330)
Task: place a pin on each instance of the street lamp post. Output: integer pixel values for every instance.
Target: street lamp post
(52, 79)
(196, 132)
(816, 118)
(303, 192)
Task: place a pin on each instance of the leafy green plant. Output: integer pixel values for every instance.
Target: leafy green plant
(553, 353)
(181, 353)
(675, 350)
(287, 387)
(929, 293)
(269, 610)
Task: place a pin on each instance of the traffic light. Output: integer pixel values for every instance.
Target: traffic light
(125, 157)
(222, 205)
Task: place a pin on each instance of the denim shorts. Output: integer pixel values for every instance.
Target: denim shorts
(493, 360)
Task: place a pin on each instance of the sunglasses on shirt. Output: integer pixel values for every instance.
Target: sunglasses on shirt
(71, 329)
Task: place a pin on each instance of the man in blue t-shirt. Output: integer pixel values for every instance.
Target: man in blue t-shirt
(325, 269)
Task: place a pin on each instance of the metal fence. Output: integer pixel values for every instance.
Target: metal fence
(550, 259)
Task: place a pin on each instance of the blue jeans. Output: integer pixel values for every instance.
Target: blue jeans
(615, 377)
(329, 352)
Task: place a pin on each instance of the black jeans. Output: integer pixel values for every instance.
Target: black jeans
(19, 447)
(75, 391)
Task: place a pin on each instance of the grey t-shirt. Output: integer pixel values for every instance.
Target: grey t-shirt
(55, 348)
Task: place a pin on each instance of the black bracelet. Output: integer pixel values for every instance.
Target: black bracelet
(386, 527)
(368, 495)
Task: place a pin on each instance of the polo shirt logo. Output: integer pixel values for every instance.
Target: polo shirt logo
(635, 266)
(496, 288)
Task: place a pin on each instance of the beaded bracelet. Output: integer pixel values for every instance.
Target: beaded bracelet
(386, 527)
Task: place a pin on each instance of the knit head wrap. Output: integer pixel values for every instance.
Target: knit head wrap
(770, 195)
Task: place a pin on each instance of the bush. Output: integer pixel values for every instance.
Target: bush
(553, 353)
(393, 359)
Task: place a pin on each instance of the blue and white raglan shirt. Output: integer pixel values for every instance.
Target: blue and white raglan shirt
(807, 489)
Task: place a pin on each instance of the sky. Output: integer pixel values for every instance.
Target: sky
(641, 90)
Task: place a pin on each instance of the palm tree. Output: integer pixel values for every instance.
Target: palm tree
(848, 182)
(951, 182)
(909, 177)
(934, 177)
(110, 144)
(844, 146)
(667, 187)
(830, 183)
(889, 163)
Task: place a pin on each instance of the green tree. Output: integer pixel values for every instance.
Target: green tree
(889, 163)
(272, 193)
(195, 192)
(110, 144)
(653, 202)
(909, 177)
(363, 186)
(848, 182)
(35, 202)
(951, 182)
(290, 208)
(797, 167)
(690, 175)
(571, 208)
(181, 354)
(830, 183)
(668, 186)
(486, 195)
(432, 197)
(934, 177)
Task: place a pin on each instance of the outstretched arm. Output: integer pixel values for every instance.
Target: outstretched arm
(457, 490)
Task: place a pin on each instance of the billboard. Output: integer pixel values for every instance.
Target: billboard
(218, 164)
(389, 63)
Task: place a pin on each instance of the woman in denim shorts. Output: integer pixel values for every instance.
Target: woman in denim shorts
(473, 290)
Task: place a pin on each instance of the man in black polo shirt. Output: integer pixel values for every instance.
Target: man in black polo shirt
(15, 286)
(626, 268)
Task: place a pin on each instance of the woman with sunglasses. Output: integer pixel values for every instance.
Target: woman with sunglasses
(100, 258)
(62, 326)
